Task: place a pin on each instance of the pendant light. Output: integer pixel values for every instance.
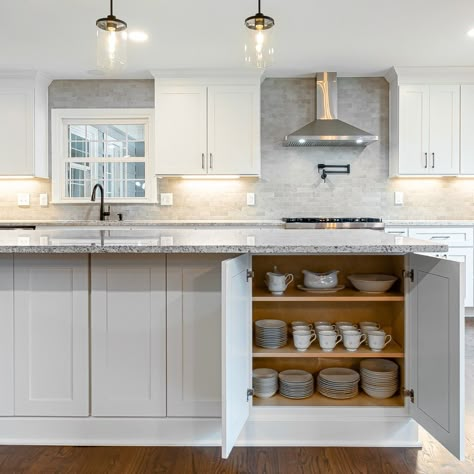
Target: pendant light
(111, 42)
(259, 48)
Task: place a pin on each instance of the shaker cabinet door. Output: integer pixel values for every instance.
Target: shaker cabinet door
(6, 335)
(236, 348)
(436, 342)
(194, 335)
(128, 332)
(51, 307)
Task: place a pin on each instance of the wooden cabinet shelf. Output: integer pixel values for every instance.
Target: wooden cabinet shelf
(361, 400)
(347, 294)
(393, 350)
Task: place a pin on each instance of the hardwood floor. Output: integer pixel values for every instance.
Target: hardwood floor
(432, 459)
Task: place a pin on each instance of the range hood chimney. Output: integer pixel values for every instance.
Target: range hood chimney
(327, 130)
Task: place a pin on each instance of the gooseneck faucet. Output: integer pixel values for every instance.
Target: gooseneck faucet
(103, 214)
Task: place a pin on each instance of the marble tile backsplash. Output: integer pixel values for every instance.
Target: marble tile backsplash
(290, 184)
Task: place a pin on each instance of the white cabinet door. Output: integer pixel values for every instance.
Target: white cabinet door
(194, 335)
(51, 298)
(128, 332)
(17, 132)
(444, 129)
(467, 128)
(6, 335)
(236, 348)
(414, 130)
(436, 357)
(234, 130)
(181, 130)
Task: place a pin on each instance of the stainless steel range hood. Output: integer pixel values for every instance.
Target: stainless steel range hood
(327, 130)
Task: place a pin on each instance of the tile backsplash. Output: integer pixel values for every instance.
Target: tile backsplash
(290, 184)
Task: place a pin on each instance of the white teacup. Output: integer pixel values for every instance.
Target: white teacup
(353, 340)
(323, 323)
(344, 323)
(345, 327)
(378, 340)
(277, 283)
(370, 323)
(328, 340)
(324, 327)
(303, 339)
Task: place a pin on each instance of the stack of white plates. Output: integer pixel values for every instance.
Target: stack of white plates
(379, 377)
(296, 384)
(338, 383)
(265, 382)
(270, 333)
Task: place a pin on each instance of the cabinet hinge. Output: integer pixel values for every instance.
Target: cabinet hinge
(409, 393)
(249, 393)
(250, 274)
(409, 274)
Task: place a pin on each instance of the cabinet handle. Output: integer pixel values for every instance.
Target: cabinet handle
(211, 162)
(426, 160)
(433, 156)
(442, 237)
(203, 161)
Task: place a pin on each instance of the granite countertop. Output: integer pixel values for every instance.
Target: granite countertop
(215, 240)
(427, 222)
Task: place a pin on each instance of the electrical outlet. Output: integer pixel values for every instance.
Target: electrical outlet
(166, 199)
(250, 199)
(398, 198)
(44, 200)
(23, 199)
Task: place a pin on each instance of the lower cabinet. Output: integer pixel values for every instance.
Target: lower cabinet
(194, 335)
(51, 312)
(6, 336)
(128, 335)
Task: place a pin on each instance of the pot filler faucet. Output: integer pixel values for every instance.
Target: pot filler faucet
(103, 214)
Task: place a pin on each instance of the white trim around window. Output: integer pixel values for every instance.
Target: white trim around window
(61, 156)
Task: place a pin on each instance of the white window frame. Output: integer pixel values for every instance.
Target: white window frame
(61, 118)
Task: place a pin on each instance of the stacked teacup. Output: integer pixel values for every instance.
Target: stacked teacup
(303, 335)
(352, 337)
(327, 335)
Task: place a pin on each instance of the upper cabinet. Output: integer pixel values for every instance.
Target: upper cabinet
(425, 130)
(467, 127)
(207, 126)
(24, 125)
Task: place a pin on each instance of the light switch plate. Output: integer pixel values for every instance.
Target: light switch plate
(250, 199)
(166, 199)
(23, 199)
(399, 198)
(43, 200)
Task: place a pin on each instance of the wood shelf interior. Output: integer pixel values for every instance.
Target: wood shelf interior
(361, 400)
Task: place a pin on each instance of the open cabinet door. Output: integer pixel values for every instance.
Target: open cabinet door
(236, 348)
(436, 341)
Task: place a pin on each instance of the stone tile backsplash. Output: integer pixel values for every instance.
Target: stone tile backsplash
(290, 184)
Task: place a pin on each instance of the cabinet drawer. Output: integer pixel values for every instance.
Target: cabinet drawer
(452, 236)
(401, 231)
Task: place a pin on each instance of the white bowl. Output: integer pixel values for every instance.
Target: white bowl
(373, 282)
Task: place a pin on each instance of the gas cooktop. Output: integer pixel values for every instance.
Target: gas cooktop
(333, 223)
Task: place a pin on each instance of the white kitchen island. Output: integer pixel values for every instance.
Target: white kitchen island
(144, 337)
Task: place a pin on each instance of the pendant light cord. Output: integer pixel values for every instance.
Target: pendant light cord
(111, 7)
(259, 6)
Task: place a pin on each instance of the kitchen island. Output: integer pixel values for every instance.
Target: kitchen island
(144, 337)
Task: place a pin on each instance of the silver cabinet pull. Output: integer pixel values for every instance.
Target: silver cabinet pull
(433, 156)
(203, 161)
(440, 237)
(426, 160)
(211, 161)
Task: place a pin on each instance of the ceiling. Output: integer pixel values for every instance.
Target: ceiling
(363, 37)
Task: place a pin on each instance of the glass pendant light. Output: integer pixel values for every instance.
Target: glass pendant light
(111, 42)
(259, 48)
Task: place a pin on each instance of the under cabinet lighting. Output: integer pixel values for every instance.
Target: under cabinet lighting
(17, 177)
(216, 176)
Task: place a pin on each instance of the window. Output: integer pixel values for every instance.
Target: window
(112, 147)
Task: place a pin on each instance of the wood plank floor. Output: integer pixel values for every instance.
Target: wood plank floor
(432, 459)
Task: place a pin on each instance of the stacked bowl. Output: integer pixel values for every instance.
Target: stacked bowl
(379, 377)
(296, 384)
(264, 382)
(271, 333)
(338, 383)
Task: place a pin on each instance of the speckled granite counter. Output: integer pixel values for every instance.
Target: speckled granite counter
(214, 240)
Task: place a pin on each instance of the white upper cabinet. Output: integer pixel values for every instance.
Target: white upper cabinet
(128, 332)
(467, 129)
(428, 138)
(24, 125)
(207, 126)
(436, 340)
